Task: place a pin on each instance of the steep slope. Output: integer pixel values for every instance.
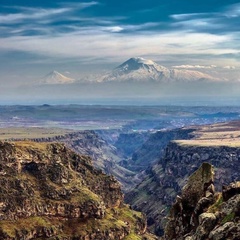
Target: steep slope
(140, 70)
(55, 77)
(50, 192)
(200, 213)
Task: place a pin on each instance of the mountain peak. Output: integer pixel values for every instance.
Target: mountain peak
(54, 77)
(139, 64)
(55, 72)
(142, 60)
(139, 69)
(135, 63)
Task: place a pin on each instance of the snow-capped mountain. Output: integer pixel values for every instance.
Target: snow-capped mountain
(55, 77)
(138, 69)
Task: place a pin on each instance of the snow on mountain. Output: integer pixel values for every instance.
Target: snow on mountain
(55, 77)
(138, 69)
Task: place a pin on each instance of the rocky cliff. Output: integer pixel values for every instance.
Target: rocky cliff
(104, 155)
(153, 148)
(128, 143)
(164, 180)
(86, 143)
(201, 213)
(49, 192)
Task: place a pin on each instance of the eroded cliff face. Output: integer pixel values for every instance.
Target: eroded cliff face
(164, 180)
(87, 143)
(128, 143)
(153, 149)
(48, 191)
(201, 213)
(181, 160)
(104, 155)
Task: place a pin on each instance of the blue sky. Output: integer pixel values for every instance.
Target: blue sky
(84, 37)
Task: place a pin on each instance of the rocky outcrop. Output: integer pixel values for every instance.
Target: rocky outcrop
(230, 190)
(48, 191)
(197, 195)
(201, 214)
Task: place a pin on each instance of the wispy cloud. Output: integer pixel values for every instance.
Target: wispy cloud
(144, 26)
(79, 5)
(95, 42)
(186, 16)
(195, 66)
(233, 11)
(219, 22)
(114, 29)
(200, 24)
(30, 13)
(229, 67)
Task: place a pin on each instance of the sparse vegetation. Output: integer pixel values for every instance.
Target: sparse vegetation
(228, 218)
(28, 224)
(31, 132)
(215, 207)
(133, 236)
(215, 135)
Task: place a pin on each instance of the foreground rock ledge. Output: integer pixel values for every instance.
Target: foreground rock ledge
(49, 192)
(200, 213)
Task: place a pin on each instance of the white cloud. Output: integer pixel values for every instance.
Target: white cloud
(186, 16)
(229, 67)
(114, 29)
(233, 11)
(29, 13)
(35, 14)
(141, 26)
(80, 5)
(195, 66)
(96, 42)
(205, 24)
(207, 21)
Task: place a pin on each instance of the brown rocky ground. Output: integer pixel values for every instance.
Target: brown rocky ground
(49, 192)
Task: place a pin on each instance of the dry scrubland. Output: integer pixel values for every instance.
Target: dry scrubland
(221, 134)
(31, 133)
